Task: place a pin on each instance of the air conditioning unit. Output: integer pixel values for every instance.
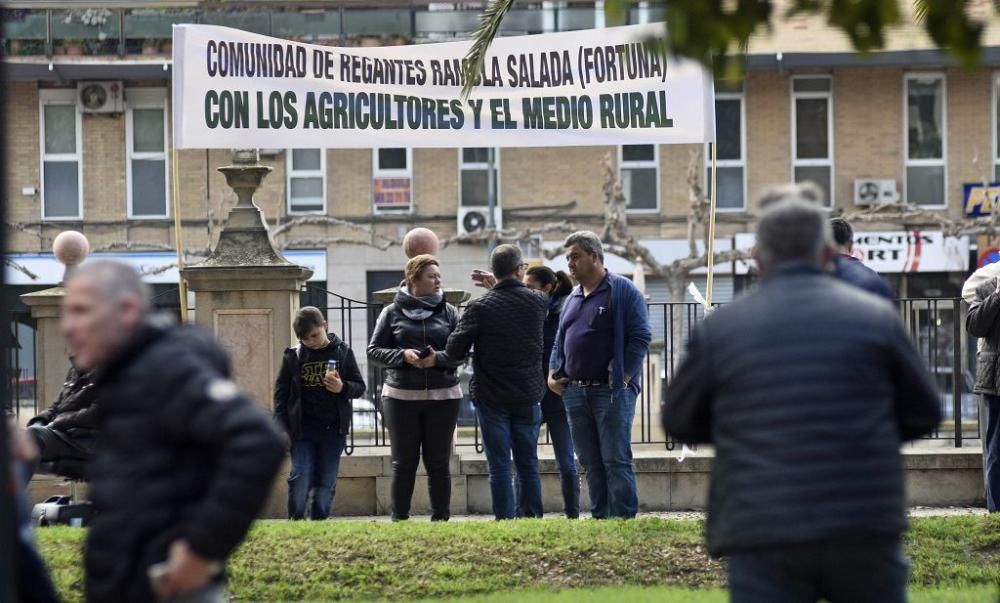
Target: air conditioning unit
(474, 219)
(875, 192)
(101, 97)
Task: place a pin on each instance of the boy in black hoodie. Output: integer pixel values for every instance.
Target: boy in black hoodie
(312, 402)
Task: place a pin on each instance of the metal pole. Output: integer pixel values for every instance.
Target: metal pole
(178, 238)
(491, 197)
(710, 244)
(490, 186)
(956, 368)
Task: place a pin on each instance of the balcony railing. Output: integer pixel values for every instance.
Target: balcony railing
(123, 32)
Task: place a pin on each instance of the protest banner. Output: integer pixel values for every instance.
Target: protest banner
(236, 89)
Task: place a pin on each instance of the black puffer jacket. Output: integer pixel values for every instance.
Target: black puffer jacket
(184, 454)
(981, 321)
(395, 333)
(807, 387)
(74, 408)
(507, 327)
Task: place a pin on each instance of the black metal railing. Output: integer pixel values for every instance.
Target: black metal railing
(19, 354)
(935, 325)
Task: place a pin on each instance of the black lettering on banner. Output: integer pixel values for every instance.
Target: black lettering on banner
(311, 118)
(477, 109)
(227, 109)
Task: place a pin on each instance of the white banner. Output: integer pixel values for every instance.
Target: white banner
(235, 89)
(896, 251)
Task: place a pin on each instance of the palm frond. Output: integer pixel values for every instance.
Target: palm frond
(920, 8)
(482, 38)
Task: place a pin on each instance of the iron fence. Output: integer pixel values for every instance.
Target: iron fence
(935, 324)
(19, 355)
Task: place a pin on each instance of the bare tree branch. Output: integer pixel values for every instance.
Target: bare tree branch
(329, 221)
(22, 269)
(912, 216)
(508, 234)
(383, 246)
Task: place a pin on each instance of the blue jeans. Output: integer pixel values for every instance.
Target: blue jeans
(602, 433)
(989, 419)
(315, 462)
(554, 416)
(507, 430)
(859, 571)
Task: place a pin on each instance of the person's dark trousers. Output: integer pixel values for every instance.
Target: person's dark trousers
(557, 423)
(315, 462)
(33, 582)
(427, 428)
(602, 435)
(873, 570)
(63, 453)
(990, 425)
(512, 430)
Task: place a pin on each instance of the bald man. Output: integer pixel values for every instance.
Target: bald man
(186, 460)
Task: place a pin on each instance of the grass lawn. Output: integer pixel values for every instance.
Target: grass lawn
(955, 559)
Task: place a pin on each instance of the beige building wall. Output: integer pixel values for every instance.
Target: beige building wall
(868, 112)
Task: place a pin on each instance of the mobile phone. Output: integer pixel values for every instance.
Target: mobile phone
(424, 353)
(157, 574)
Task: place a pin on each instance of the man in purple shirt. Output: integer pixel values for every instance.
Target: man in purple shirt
(596, 366)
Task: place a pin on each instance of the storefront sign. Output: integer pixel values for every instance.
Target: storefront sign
(979, 200)
(989, 256)
(897, 251)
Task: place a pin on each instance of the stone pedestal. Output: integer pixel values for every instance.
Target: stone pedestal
(51, 353)
(246, 293)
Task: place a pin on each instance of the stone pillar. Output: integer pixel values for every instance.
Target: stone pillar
(247, 293)
(51, 353)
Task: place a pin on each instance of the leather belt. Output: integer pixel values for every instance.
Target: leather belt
(589, 382)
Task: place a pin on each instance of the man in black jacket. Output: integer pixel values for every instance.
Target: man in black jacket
(66, 432)
(313, 405)
(185, 460)
(505, 325)
(982, 293)
(807, 387)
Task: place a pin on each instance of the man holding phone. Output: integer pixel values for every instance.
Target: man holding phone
(506, 327)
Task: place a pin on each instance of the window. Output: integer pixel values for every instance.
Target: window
(146, 142)
(812, 132)
(639, 173)
(730, 140)
(306, 180)
(474, 176)
(392, 172)
(924, 140)
(60, 133)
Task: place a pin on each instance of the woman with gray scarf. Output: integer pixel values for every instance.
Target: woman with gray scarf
(420, 401)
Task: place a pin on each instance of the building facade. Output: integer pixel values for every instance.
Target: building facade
(88, 148)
